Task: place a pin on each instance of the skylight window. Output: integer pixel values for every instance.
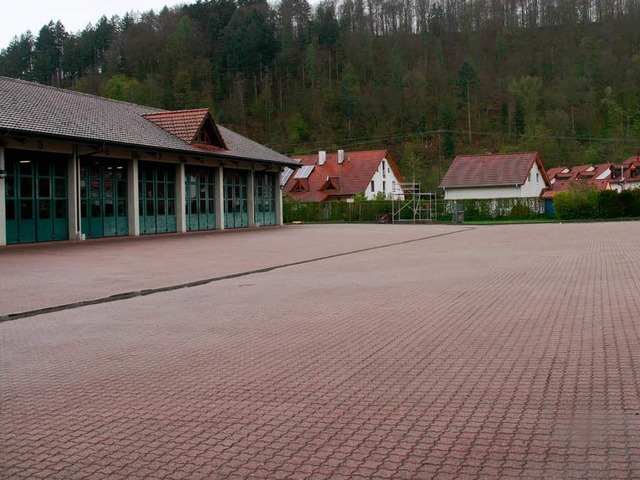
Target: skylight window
(286, 174)
(304, 172)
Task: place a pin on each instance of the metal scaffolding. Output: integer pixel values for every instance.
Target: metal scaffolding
(413, 205)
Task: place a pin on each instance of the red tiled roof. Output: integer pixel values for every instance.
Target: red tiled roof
(352, 176)
(184, 124)
(563, 186)
(491, 170)
(552, 172)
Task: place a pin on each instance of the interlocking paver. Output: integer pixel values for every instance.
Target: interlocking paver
(493, 352)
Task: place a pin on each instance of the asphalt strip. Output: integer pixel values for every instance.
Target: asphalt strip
(142, 293)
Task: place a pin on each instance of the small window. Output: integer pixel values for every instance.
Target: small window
(384, 189)
(373, 187)
(202, 137)
(537, 178)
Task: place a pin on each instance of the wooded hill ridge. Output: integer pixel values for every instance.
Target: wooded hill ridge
(426, 79)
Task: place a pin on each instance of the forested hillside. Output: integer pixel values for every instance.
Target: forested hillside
(427, 79)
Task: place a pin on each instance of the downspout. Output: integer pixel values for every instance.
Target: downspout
(76, 160)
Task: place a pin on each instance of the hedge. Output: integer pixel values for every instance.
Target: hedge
(591, 204)
(442, 210)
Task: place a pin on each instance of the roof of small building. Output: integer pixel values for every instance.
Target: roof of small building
(491, 170)
(334, 180)
(29, 108)
(565, 185)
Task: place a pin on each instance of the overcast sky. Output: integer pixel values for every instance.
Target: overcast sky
(18, 16)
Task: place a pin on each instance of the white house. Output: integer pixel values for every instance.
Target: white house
(511, 175)
(341, 175)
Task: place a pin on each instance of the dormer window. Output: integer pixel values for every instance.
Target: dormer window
(300, 186)
(202, 137)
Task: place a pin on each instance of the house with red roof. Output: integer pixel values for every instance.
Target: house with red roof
(561, 178)
(606, 176)
(342, 174)
(77, 166)
(491, 176)
(625, 176)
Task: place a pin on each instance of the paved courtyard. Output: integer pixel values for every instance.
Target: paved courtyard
(351, 351)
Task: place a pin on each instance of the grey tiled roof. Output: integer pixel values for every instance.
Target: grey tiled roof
(30, 108)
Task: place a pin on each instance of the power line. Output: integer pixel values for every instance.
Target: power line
(426, 133)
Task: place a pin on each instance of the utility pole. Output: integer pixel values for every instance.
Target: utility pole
(469, 111)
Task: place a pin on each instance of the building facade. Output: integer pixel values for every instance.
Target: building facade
(75, 166)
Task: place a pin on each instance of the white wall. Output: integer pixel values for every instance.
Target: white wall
(532, 188)
(628, 185)
(384, 177)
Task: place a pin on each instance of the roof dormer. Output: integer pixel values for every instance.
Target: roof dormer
(195, 127)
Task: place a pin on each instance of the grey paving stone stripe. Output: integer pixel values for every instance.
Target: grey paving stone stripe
(151, 291)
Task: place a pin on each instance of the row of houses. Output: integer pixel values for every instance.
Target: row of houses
(522, 175)
(76, 166)
(605, 176)
(337, 176)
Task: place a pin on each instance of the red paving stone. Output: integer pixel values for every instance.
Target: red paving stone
(497, 352)
(43, 275)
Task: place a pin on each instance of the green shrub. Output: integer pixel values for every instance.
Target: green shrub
(520, 212)
(630, 200)
(578, 203)
(610, 204)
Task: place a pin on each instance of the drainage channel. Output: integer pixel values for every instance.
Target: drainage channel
(142, 293)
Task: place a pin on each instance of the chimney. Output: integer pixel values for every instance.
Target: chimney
(322, 157)
(340, 156)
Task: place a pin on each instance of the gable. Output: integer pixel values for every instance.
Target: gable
(332, 183)
(300, 185)
(195, 127)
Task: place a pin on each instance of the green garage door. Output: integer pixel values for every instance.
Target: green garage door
(235, 199)
(103, 196)
(265, 195)
(36, 197)
(157, 193)
(200, 198)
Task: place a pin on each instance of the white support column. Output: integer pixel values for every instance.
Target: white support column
(181, 204)
(73, 195)
(219, 194)
(251, 198)
(3, 207)
(133, 195)
(279, 219)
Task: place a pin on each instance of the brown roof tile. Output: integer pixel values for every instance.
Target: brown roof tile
(490, 170)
